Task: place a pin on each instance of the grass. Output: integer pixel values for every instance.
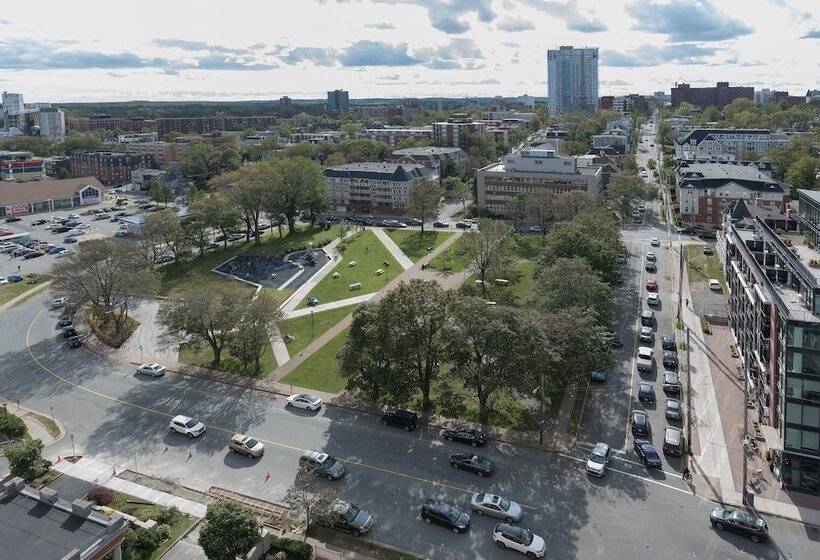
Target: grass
(527, 246)
(145, 511)
(358, 545)
(10, 291)
(370, 255)
(702, 267)
(517, 293)
(50, 425)
(321, 370)
(104, 330)
(305, 329)
(196, 273)
(201, 355)
(452, 259)
(413, 244)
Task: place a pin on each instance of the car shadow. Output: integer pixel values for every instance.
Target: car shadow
(302, 411)
(766, 550)
(235, 460)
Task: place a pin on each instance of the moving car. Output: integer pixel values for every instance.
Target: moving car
(598, 459)
(187, 426)
(647, 334)
(152, 370)
(653, 299)
(401, 418)
(350, 518)
(442, 513)
(668, 342)
(439, 224)
(322, 464)
(246, 445)
(519, 539)
(473, 463)
(394, 224)
(640, 423)
(674, 409)
(739, 521)
(304, 401)
(464, 434)
(646, 393)
(647, 453)
(655, 242)
(496, 506)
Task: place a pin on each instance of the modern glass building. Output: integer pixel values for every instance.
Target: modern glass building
(774, 311)
(572, 80)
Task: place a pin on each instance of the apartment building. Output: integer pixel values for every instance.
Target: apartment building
(110, 168)
(721, 94)
(572, 80)
(774, 312)
(455, 130)
(161, 152)
(434, 158)
(534, 170)
(372, 187)
(332, 136)
(734, 144)
(706, 189)
(338, 101)
(107, 122)
(392, 135)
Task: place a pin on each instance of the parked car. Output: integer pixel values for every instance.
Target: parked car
(187, 426)
(653, 299)
(60, 229)
(714, 285)
(496, 506)
(70, 240)
(14, 278)
(442, 513)
(647, 334)
(740, 522)
(56, 303)
(647, 453)
(65, 319)
(674, 409)
(640, 423)
(647, 317)
(350, 518)
(152, 370)
(39, 222)
(616, 341)
(651, 286)
(598, 376)
(74, 342)
(670, 359)
(322, 464)
(673, 441)
(707, 249)
(668, 342)
(162, 259)
(56, 250)
(655, 242)
(68, 332)
(11, 219)
(413, 222)
(519, 539)
(531, 229)
(650, 256)
(598, 459)
(473, 463)
(464, 434)
(464, 225)
(33, 255)
(246, 445)
(671, 382)
(439, 224)
(646, 393)
(402, 418)
(304, 401)
(650, 266)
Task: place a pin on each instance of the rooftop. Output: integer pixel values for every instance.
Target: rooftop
(378, 170)
(750, 175)
(426, 151)
(29, 191)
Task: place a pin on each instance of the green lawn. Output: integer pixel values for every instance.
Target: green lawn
(702, 267)
(306, 329)
(201, 355)
(518, 293)
(527, 246)
(321, 370)
(197, 273)
(452, 259)
(413, 244)
(10, 291)
(370, 255)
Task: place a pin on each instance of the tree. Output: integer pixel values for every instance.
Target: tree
(424, 201)
(314, 504)
(457, 189)
(623, 188)
(302, 188)
(651, 165)
(350, 130)
(802, 174)
(540, 210)
(215, 211)
(230, 530)
(165, 227)
(487, 247)
(74, 142)
(26, 458)
(572, 282)
(250, 190)
(252, 336)
(200, 162)
(569, 204)
(205, 316)
(159, 192)
(573, 147)
(571, 239)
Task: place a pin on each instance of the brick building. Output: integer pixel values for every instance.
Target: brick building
(110, 168)
(721, 94)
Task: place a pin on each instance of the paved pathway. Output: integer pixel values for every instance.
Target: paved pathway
(303, 290)
(25, 295)
(147, 339)
(280, 349)
(332, 305)
(391, 246)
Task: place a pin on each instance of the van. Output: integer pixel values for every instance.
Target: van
(673, 441)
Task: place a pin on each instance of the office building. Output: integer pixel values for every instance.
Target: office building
(31, 197)
(372, 187)
(338, 101)
(20, 166)
(455, 130)
(572, 80)
(534, 171)
(434, 158)
(721, 94)
(111, 168)
(774, 313)
(733, 144)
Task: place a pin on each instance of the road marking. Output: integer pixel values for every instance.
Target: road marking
(645, 479)
(622, 452)
(230, 431)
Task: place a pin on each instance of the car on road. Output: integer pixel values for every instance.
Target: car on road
(535, 229)
(413, 222)
(56, 303)
(670, 359)
(653, 299)
(246, 445)
(304, 401)
(652, 285)
(439, 224)
(33, 255)
(496, 506)
(714, 285)
(647, 453)
(14, 278)
(465, 434)
(56, 250)
(13, 219)
(405, 419)
(70, 240)
(671, 382)
(668, 342)
(186, 426)
(350, 518)
(646, 393)
(640, 423)
(74, 342)
(60, 229)
(674, 409)
(473, 463)
(598, 459)
(394, 224)
(322, 464)
(650, 266)
(740, 522)
(519, 539)
(647, 334)
(464, 225)
(152, 370)
(651, 257)
(655, 242)
(442, 513)
(598, 376)
(647, 317)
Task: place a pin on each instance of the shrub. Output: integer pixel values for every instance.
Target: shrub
(11, 425)
(295, 550)
(25, 458)
(167, 516)
(140, 543)
(101, 495)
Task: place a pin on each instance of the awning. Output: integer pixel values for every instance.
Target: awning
(772, 438)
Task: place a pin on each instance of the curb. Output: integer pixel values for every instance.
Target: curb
(60, 426)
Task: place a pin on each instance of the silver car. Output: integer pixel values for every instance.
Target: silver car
(496, 506)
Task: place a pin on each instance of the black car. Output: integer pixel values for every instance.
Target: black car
(440, 224)
(65, 320)
(739, 521)
(74, 342)
(442, 513)
(670, 360)
(33, 255)
(69, 331)
(12, 219)
(70, 240)
(640, 423)
(650, 266)
(646, 393)
(473, 463)
(647, 453)
(350, 518)
(671, 382)
(463, 434)
(60, 229)
(668, 343)
(401, 418)
(39, 222)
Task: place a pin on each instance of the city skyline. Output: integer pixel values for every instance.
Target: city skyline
(399, 48)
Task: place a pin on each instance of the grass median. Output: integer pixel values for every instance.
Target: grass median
(301, 331)
(321, 370)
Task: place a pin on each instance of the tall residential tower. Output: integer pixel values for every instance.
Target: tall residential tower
(572, 80)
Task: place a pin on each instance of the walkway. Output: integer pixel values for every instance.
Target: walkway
(280, 349)
(147, 339)
(332, 305)
(303, 290)
(391, 246)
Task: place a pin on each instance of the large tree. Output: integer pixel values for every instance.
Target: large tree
(572, 282)
(569, 204)
(251, 338)
(301, 188)
(424, 201)
(487, 248)
(165, 228)
(25, 458)
(624, 188)
(249, 189)
(571, 239)
(200, 161)
(802, 174)
(230, 530)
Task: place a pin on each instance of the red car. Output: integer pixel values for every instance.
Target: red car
(652, 285)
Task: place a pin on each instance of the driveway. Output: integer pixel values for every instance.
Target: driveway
(146, 340)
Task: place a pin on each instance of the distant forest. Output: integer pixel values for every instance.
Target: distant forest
(157, 109)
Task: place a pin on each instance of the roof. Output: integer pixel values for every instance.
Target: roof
(426, 151)
(701, 134)
(376, 170)
(30, 191)
(709, 174)
(813, 195)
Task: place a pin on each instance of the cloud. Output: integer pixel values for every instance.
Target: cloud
(376, 53)
(198, 46)
(225, 62)
(383, 25)
(514, 25)
(448, 15)
(813, 34)
(485, 82)
(511, 44)
(617, 82)
(116, 75)
(256, 47)
(653, 55)
(4, 22)
(32, 54)
(316, 55)
(391, 77)
(575, 20)
(686, 20)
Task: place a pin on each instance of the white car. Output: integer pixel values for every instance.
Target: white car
(186, 425)
(598, 459)
(3, 280)
(653, 299)
(59, 302)
(646, 353)
(519, 539)
(153, 370)
(304, 401)
(62, 254)
(650, 256)
(714, 285)
(655, 242)
(496, 506)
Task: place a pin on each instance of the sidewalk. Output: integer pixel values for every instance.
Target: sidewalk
(303, 290)
(332, 305)
(391, 246)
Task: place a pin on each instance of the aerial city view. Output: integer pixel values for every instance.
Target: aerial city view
(410, 279)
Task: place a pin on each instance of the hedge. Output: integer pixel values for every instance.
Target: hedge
(295, 550)
(11, 425)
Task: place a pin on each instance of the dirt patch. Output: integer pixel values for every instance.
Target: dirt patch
(105, 330)
(167, 486)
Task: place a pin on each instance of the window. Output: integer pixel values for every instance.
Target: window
(793, 439)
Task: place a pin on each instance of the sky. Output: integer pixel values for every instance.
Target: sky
(93, 50)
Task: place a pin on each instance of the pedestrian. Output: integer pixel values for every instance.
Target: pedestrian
(686, 474)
